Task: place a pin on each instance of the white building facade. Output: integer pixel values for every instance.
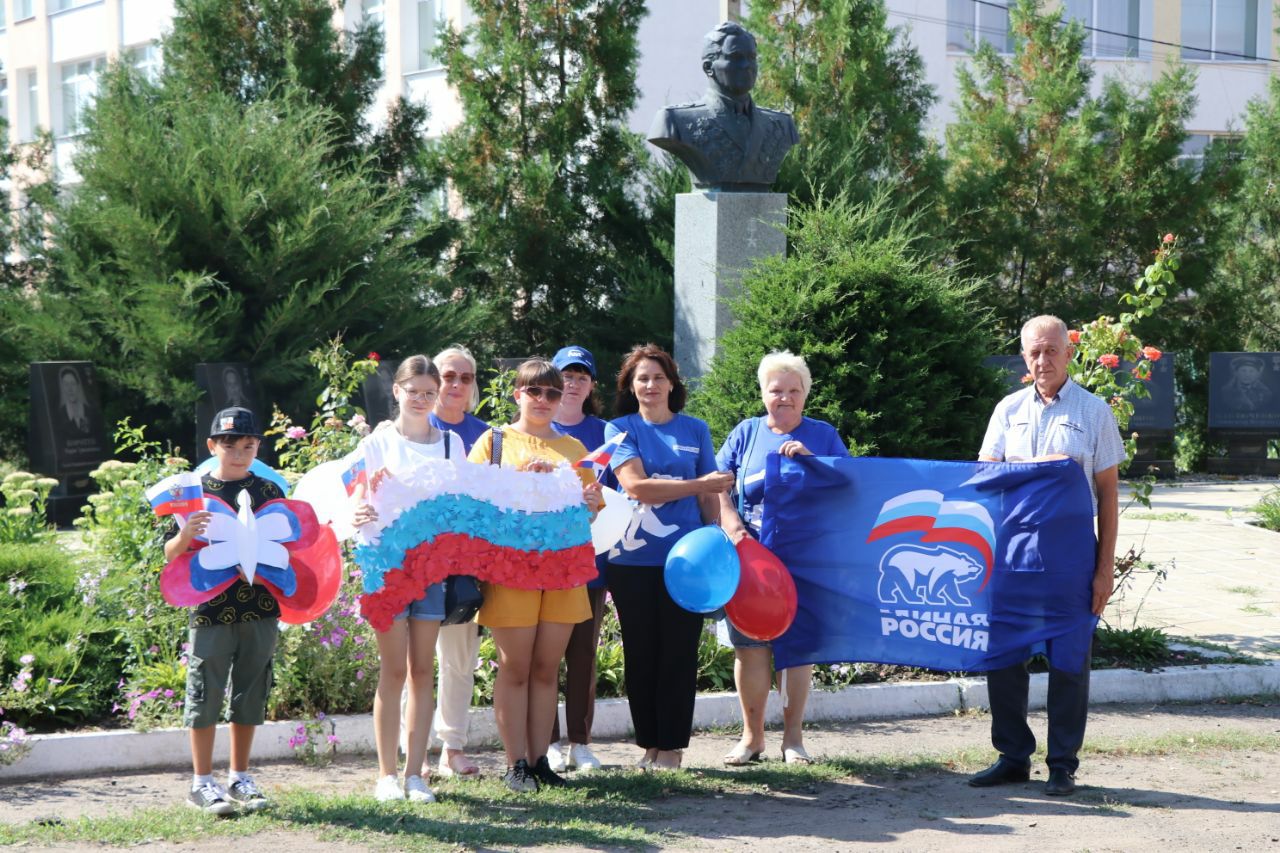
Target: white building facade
(52, 52)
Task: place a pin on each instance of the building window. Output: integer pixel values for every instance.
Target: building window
(1220, 30)
(374, 10)
(64, 5)
(428, 32)
(1112, 26)
(970, 23)
(79, 88)
(1197, 145)
(29, 107)
(145, 59)
(3, 12)
(23, 9)
(4, 97)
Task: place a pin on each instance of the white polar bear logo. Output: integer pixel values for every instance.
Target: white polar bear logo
(912, 574)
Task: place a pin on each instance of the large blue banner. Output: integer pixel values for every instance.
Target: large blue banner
(945, 565)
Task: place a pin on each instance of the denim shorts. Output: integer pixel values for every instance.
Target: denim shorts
(429, 608)
(741, 640)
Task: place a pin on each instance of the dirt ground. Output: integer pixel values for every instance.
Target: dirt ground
(1193, 800)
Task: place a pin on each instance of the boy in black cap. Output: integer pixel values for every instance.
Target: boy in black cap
(233, 636)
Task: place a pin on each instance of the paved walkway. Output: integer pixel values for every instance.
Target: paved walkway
(1223, 583)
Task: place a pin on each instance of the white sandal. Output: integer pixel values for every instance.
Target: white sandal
(796, 755)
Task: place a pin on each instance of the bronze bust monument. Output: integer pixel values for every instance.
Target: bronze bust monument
(729, 143)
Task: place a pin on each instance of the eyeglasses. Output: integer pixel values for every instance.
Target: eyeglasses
(419, 396)
(537, 391)
(451, 377)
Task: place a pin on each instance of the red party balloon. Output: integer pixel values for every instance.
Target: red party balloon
(764, 606)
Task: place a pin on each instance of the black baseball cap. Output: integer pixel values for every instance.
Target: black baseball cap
(235, 421)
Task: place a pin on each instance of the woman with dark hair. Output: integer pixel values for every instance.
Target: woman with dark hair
(667, 466)
(531, 627)
(577, 417)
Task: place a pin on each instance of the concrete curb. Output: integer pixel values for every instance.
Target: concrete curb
(91, 753)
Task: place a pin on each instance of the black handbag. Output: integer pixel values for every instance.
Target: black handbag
(462, 595)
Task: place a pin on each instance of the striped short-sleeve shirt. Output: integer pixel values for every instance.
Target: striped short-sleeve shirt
(1075, 423)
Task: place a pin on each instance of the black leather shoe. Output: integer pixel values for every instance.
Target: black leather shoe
(1001, 773)
(1060, 784)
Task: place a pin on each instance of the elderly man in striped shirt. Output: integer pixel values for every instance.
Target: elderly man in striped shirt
(1053, 417)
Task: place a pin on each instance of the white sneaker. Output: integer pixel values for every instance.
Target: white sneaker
(388, 790)
(581, 756)
(555, 757)
(418, 791)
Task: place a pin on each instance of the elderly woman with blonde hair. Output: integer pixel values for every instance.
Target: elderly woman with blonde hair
(784, 387)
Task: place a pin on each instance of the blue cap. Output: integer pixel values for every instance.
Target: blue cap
(575, 355)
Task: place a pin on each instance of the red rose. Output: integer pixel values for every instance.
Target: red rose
(373, 356)
(1110, 360)
(1151, 353)
(1074, 336)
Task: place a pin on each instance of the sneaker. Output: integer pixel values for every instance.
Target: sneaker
(581, 756)
(418, 791)
(244, 793)
(546, 776)
(520, 778)
(556, 758)
(210, 798)
(388, 790)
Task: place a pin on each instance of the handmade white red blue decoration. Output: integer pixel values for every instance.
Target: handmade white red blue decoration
(435, 518)
(280, 546)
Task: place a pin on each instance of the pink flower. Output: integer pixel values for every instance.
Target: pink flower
(359, 675)
(1110, 360)
(1074, 336)
(1026, 378)
(1168, 238)
(356, 420)
(1151, 353)
(26, 660)
(295, 432)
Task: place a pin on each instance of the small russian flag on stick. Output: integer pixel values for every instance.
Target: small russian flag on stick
(598, 459)
(355, 476)
(180, 494)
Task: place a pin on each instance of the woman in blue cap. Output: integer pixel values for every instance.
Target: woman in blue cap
(577, 417)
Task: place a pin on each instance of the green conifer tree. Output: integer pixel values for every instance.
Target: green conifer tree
(857, 90)
(546, 174)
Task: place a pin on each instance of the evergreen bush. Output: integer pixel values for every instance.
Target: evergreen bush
(894, 342)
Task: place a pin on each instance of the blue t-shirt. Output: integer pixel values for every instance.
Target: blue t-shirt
(680, 449)
(468, 429)
(590, 431)
(751, 441)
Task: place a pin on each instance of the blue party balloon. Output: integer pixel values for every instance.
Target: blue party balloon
(702, 570)
(258, 467)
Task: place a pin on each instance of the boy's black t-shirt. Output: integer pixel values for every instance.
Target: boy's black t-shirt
(240, 602)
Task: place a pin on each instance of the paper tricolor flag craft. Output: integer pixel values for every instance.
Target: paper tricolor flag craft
(437, 518)
(356, 475)
(180, 494)
(598, 459)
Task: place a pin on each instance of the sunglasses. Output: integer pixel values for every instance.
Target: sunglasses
(451, 377)
(537, 391)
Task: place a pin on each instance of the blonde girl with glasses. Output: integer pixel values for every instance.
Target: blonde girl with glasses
(531, 628)
(407, 649)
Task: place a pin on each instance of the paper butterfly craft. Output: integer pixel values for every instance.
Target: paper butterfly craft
(281, 547)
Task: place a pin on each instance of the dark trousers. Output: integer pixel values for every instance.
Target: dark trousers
(579, 683)
(660, 650)
(1068, 709)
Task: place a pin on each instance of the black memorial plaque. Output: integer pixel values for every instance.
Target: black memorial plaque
(65, 432)
(1013, 368)
(379, 404)
(223, 385)
(1156, 414)
(1244, 410)
(1244, 391)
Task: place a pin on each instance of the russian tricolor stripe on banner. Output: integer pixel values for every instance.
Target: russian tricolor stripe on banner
(180, 494)
(926, 512)
(599, 458)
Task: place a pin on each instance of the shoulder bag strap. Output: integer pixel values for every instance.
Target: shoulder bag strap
(495, 454)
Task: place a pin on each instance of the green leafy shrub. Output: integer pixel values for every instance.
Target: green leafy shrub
(59, 660)
(1268, 510)
(23, 519)
(894, 342)
(1130, 647)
